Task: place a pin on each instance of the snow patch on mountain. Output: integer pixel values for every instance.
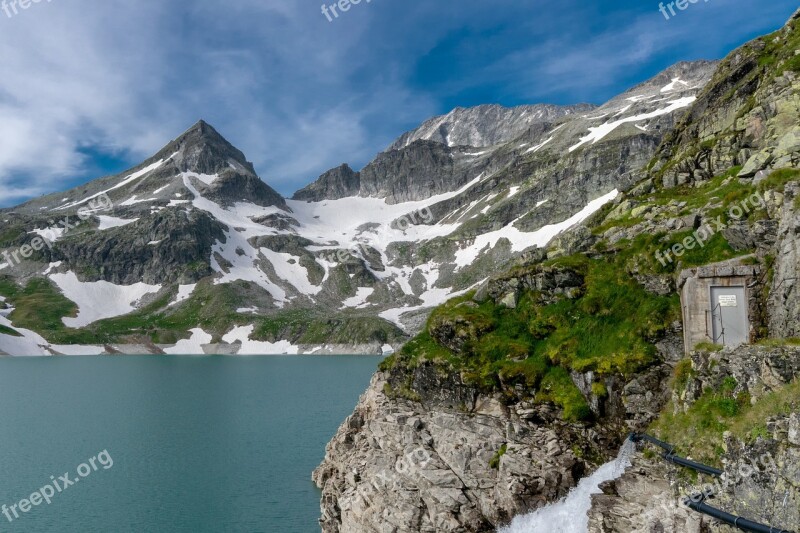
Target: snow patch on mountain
(599, 132)
(107, 222)
(30, 343)
(133, 200)
(100, 299)
(521, 240)
(360, 299)
(184, 293)
(672, 85)
(127, 181)
(288, 268)
(52, 234)
(242, 335)
(191, 346)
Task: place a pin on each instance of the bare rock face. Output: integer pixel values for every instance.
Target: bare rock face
(784, 302)
(641, 501)
(757, 370)
(449, 462)
(338, 182)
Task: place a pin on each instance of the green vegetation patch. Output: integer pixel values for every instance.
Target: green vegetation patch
(646, 253)
(8, 331)
(698, 432)
(777, 180)
(494, 462)
(778, 53)
(40, 307)
(8, 287)
(608, 329)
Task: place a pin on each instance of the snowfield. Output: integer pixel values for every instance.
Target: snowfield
(100, 299)
(599, 132)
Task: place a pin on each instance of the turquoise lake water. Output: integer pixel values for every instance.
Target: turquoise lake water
(198, 444)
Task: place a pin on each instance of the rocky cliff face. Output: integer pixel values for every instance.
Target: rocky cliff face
(784, 299)
(454, 460)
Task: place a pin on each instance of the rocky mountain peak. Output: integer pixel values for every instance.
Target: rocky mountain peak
(203, 150)
(338, 182)
(681, 79)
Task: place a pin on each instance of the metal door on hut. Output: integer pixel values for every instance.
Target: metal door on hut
(730, 326)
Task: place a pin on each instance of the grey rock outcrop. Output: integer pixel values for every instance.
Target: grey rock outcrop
(641, 501)
(761, 477)
(339, 182)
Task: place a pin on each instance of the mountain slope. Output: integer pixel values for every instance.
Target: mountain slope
(356, 258)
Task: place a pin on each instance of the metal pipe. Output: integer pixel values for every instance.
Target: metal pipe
(638, 437)
(733, 520)
(736, 521)
(672, 458)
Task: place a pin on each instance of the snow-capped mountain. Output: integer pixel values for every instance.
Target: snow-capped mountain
(486, 125)
(190, 251)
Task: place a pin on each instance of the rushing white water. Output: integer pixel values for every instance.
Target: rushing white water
(570, 514)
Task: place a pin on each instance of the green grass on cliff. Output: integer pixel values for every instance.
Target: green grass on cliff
(777, 180)
(610, 328)
(778, 54)
(698, 432)
(607, 329)
(711, 200)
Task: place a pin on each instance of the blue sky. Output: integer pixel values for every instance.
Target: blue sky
(89, 88)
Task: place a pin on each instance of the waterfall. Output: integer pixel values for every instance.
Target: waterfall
(570, 514)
